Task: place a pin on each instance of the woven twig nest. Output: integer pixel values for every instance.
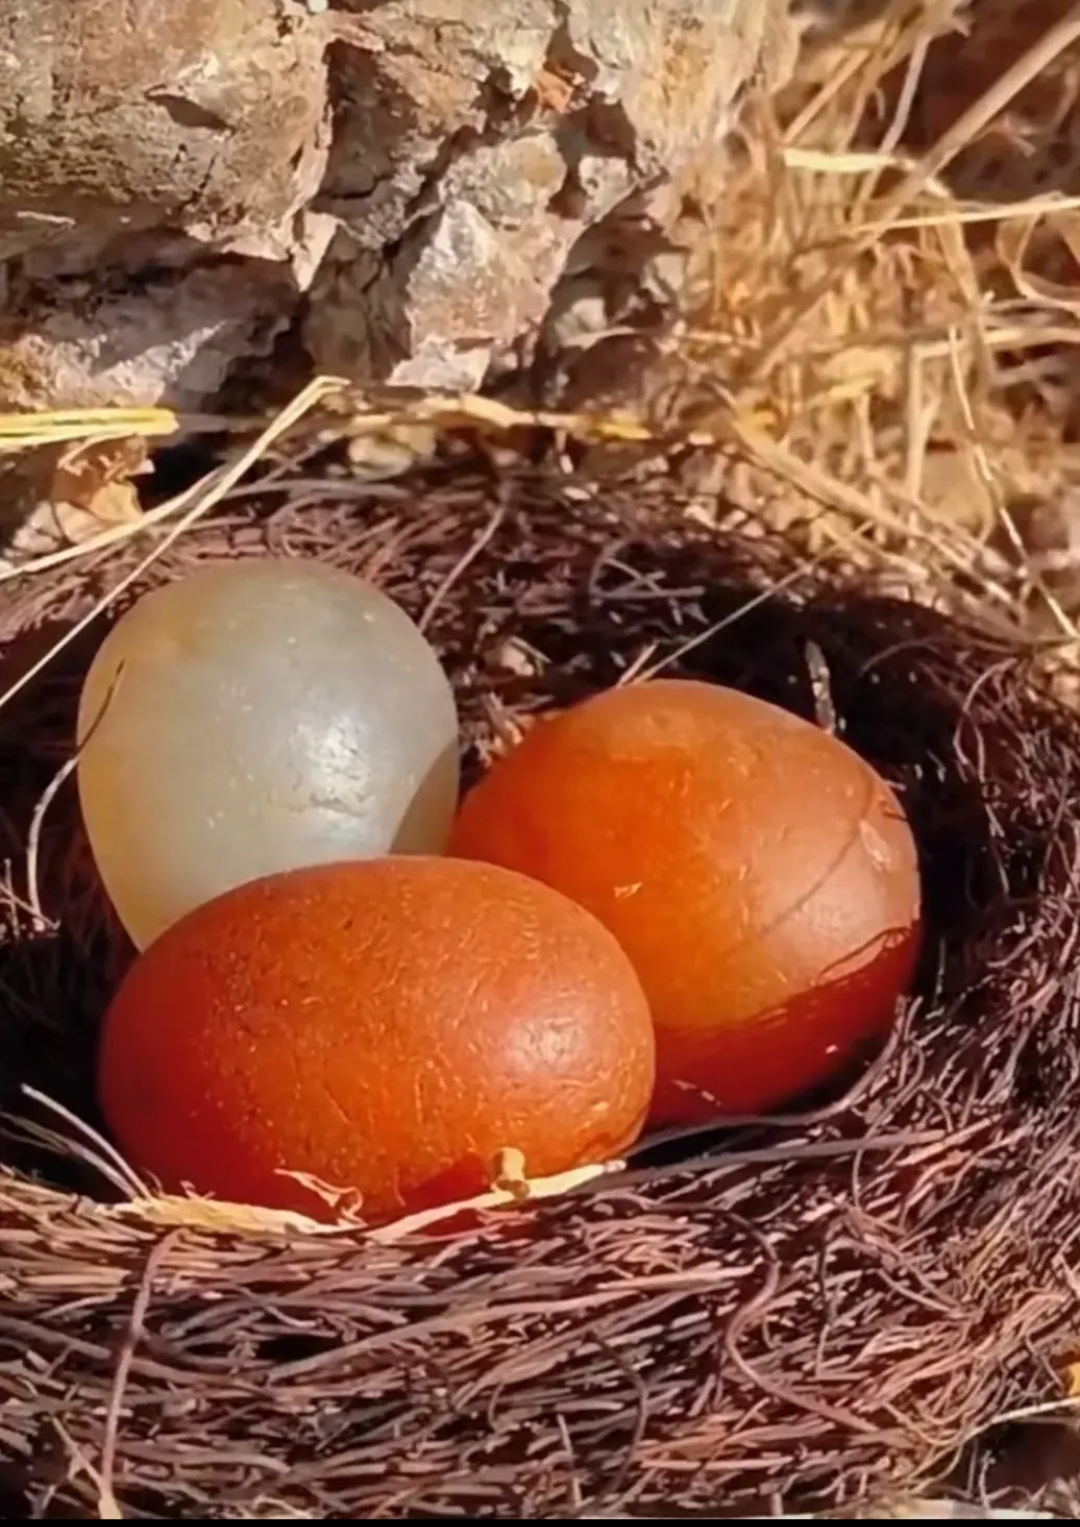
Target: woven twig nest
(809, 1311)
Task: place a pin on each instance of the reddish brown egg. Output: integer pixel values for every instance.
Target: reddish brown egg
(760, 875)
(387, 1026)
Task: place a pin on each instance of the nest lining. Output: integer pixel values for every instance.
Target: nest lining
(810, 1311)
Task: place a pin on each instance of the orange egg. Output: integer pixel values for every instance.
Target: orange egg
(386, 1026)
(760, 875)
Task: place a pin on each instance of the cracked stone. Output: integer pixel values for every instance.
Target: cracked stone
(412, 188)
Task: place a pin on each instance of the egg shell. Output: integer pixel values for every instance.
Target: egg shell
(761, 876)
(386, 1025)
(254, 717)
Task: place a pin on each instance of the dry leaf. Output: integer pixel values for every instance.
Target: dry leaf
(218, 1217)
(554, 91)
(381, 455)
(508, 1174)
(90, 486)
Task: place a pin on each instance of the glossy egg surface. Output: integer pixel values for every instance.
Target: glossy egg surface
(254, 717)
(387, 1026)
(760, 875)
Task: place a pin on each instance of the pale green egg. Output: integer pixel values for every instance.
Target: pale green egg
(257, 717)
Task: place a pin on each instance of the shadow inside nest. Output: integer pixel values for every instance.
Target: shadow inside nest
(535, 596)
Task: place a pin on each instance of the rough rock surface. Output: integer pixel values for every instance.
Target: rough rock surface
(422, 191)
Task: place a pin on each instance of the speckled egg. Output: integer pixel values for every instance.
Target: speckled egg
(385, 1027)
(760, 875)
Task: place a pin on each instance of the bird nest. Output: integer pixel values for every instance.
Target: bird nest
(806, 1312)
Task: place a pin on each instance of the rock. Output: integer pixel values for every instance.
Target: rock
(421, 191)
